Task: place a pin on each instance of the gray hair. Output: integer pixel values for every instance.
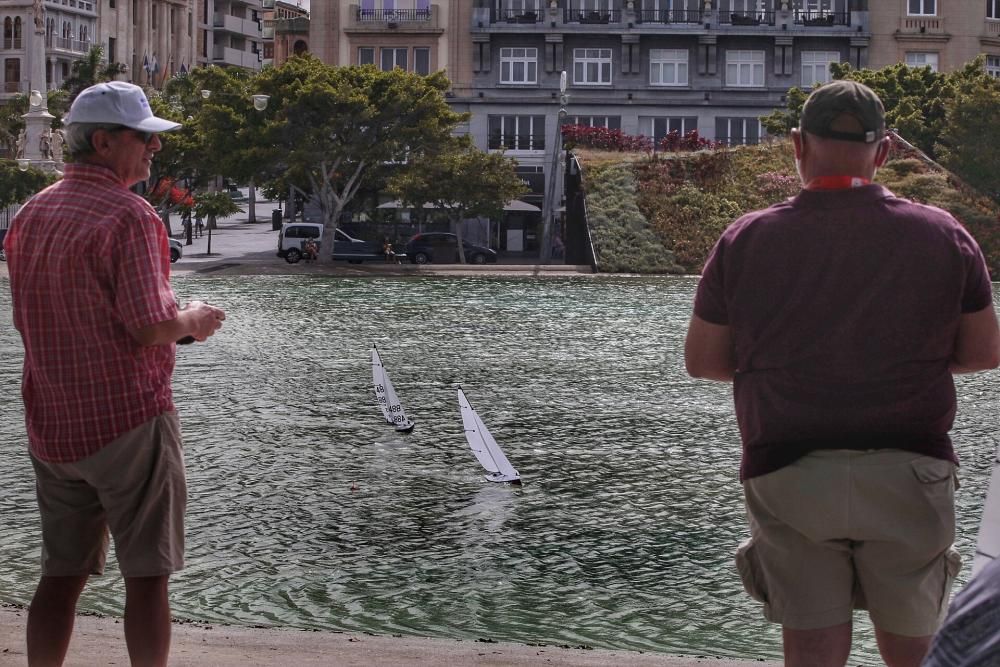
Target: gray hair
(78, 136)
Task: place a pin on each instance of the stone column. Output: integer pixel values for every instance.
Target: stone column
(38, 120)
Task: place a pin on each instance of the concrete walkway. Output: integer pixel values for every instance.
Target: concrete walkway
(100, 641)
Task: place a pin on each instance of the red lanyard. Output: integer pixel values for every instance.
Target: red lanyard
(836, 182)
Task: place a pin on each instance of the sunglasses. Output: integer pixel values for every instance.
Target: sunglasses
(145, 136)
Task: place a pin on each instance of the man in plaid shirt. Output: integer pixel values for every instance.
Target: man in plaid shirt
(89, 266)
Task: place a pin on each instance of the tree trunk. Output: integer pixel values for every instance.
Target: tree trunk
(252, 204)
(165, 217)
(458, 235)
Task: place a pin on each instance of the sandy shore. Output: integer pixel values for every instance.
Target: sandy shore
(99, 641)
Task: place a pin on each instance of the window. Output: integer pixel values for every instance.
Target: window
(392, 58)
(519, 65)
(607, 122)
(745, 69)
(919, 59)
(921, 8)
(422, 60)
(993, 9)
(111, 4)
(993, 66)
(738, 130)
(668, 67)
(519, 133)
(12, 75)
(658, 127)
(152, 16)
(112, 50)
(592, 67)
(366, 55)
(816, 66)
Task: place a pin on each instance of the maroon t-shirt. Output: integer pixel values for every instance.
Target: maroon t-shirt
(844, 307)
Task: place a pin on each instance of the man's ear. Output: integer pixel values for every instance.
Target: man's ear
(100, 141)
(882, 152)
(799, 142)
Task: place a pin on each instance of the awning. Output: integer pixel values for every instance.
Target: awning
(512, 205)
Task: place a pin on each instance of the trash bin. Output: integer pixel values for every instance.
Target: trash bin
(276, 219)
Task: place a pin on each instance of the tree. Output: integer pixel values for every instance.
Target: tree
(915, 100)
(462, 181)
(211, 205)
(334, 128)
(17, 186)
(969, 144)
(89, 70)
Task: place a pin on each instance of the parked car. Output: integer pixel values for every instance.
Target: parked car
(345, 247)
(442, 248)
(176, 250)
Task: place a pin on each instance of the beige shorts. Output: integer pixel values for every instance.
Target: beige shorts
(840, 530)
(133, 486)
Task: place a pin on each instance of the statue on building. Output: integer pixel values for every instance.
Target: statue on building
(21, 140)
(45, 144)
(39, 13)
(57, 143)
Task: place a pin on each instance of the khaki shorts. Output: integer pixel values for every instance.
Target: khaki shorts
(840, 530)
(133, 486)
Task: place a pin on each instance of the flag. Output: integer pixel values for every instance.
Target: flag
(154, 66)
(145, 62)
(183, 69)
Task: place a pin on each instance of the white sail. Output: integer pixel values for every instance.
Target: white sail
(988, 545)
(483, 445)
(385, 396)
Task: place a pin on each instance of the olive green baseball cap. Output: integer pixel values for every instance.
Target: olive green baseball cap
(832, 100)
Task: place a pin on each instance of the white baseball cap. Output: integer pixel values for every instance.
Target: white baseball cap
(116, 103)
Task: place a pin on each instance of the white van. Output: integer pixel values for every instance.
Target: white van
(294, 234)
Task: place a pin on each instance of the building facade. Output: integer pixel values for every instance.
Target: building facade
(277, 15)
(943, 34)
(230, 34)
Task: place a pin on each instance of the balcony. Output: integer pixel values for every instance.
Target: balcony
(822, 19)
(517, 142)
(602, 17)
(666, 16)
(747, 18)
(515, 16)
(393, 20)
(223, 55)
(67, 44)
(921, 25)
(393, 15)
(240, 26)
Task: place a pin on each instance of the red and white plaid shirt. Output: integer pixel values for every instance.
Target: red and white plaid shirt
(89, 261)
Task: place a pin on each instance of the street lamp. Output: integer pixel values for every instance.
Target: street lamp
(205, 94)
(35, 99)
(260, 102)
(548, 207)
(22, 164)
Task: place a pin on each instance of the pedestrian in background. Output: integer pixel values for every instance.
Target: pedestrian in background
(840, 316)
(89, 268)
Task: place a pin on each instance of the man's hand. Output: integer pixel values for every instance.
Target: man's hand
(196, 321)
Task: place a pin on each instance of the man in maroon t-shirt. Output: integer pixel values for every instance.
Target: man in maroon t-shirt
(840, 316)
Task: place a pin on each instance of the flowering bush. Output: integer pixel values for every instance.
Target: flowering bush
(169, 193)
(605, 139)
(774, 186)
(692, 141)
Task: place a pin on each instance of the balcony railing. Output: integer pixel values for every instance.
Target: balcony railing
(67, 44)
(12, 43)
(821, 19)
(13, 87)
(517, 142)
(514, 16)
(669, 16)
(393, 15)
(922, 25)
(602, 16)
(747, 18)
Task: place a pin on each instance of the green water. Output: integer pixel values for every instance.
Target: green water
(621, 536)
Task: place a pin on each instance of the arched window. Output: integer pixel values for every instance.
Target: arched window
(300, 48)
(50, 27)
(83, 33)
(17, 28)
(8, 31)
(67, 30)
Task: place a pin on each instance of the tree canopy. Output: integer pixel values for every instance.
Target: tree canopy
(334, 128)
(461, 180)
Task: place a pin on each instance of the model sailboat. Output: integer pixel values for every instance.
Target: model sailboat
(988, 544)
(483, 445)
(386, 398)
